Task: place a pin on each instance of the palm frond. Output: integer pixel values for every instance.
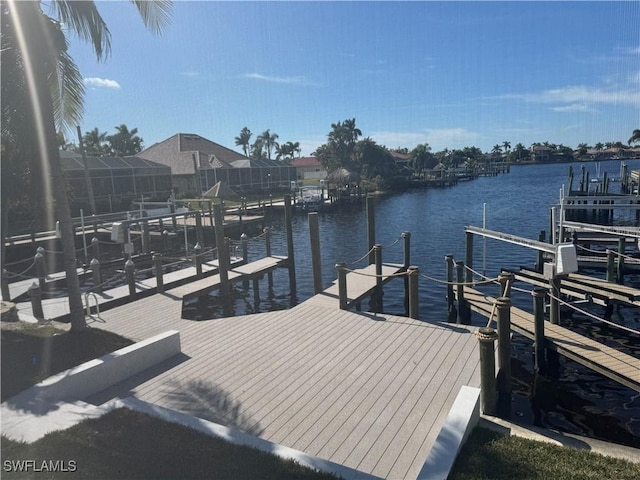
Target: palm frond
(85, 20)
(155, 14)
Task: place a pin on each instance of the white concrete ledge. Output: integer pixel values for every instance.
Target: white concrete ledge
(96, 375)
(462, 419)
(238, 437)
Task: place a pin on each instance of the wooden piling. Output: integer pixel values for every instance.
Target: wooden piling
(223, 252)
(486, 340)
(469, 256)
(129, 269)
(620, 266)
(35, 295)
(199, 229)
(554, 304)
(144, 226)
(376, 298)
(464, 313)
(157, 262)
(6, 295)
(290, 256)
(342, 285)
(611, 266)
(316, 261)
(540, 361)
(267, 241)
(197, 258)
(504, 352)
(95, 248)
(371, 228)
(452, 313)
(96, 275)
(244, 241)
(40, 267)
(413, 276)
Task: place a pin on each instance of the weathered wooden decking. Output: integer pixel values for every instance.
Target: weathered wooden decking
(608, 361)
(369, 391)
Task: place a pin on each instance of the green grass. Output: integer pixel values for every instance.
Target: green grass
(127, 444)
(489, 455)
(30, 353)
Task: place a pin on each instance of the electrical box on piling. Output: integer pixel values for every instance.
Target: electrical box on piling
(566, 261)
(118, 232)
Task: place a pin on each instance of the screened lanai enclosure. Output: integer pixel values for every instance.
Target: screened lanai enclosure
(116, 181)
(250, 175)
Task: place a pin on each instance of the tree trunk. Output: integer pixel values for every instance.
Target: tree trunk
(41, 103)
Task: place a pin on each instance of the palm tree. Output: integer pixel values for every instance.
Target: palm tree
(635, 137)
(243, 140)
(507, 146)
(48, 97)
(94, 142)
(269, 142)
(421, 158)
(124, 142)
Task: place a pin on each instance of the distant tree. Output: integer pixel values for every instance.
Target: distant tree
(257, 149)
(635, 137)
(95, 143)
(496, 150)
(286, 151)
(520, 151)
(507, 146)
(403, 150)
(421, 158)
(582, 149)
(269, 142)
(376, 161)
(124, 142)
(599, 146)
(243, 140)
(339, 151)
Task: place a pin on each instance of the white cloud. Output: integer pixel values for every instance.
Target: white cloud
(574, 107)
(295, 80)
(437, 138)
(101, 82)
(580, 95)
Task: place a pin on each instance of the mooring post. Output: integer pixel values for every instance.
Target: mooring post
(95, 248)
(256, 292)
(413, 275)
(35, 294)
(452, 314)
(376, 298)
(40, 267)
(197, 258)
(406, 250)
(540, 259)
(469, 256)
(504, 353)
(540, 361)
(199, 229)
(554, 304)
(342, 284)
(244, 241)
(464, 317)
(611, 266)
(316, 260)
(486, 339)
(129, 269)
(506, 280)
(6, 295)
(145, 236)
(165, 240)
(96, 274)
(620, 269)
(157, 263)
(371, 228)
(290, 257)
(223, 251)
(267, 241)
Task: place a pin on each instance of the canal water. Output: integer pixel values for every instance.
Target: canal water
(577, 400)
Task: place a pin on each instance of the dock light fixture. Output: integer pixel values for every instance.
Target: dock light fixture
(566, 261)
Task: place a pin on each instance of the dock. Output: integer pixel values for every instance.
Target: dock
(368, 391)
(608, 361)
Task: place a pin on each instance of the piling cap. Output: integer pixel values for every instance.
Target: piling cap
(486, 334)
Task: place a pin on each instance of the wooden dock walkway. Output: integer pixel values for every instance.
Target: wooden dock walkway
(608, 361)
(582, 286)
(367, 391)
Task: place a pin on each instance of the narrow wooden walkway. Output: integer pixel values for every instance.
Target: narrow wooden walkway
(582, 286)
(608, 361)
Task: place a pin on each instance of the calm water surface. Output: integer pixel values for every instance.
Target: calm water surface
(578, 401)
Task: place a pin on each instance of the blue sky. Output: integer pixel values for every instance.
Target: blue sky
(451, 74)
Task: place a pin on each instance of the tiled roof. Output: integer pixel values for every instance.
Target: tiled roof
(305, 162)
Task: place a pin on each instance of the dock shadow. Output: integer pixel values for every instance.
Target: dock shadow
(126, 387)
(208, 401)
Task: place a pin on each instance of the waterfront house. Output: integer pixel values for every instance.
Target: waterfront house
(197, 164)
(308, 168)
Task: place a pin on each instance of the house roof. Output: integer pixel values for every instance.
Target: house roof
(305, 162)
(181, 150)
(73, 161)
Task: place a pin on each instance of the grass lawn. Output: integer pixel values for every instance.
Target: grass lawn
(30, 352)
(489, 455)
(124, 444)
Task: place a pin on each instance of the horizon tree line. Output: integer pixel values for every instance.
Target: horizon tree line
(265, 145)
